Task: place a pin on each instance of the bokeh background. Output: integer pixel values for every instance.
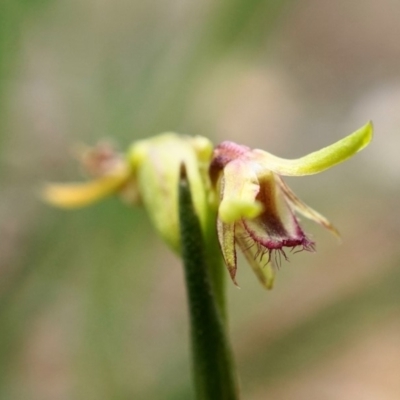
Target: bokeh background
(92, 303)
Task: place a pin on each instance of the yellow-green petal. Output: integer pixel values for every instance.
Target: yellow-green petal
(156, 163)
(239, 190)
(321, 159)
(76, 195)
(226, 238)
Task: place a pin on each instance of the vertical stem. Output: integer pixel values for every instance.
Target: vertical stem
(213, 370)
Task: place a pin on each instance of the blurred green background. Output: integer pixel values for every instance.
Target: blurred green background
(92, 303)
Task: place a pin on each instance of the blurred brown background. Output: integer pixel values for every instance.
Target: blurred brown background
(92, 303)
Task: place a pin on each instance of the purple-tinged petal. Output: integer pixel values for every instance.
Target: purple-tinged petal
(224, 153)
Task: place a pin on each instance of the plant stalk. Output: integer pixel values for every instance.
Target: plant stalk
(213, 370)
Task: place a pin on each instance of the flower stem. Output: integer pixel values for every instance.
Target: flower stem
(213, 370)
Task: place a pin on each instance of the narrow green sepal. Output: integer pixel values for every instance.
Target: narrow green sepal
(320, 160)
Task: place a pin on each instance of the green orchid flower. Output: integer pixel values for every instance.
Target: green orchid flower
(148, 174)
(257, 209)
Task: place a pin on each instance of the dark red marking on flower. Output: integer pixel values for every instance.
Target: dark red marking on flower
(270, 220)
(277, 244)
(275, 248)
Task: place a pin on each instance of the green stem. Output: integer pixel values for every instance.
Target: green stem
(212, 360)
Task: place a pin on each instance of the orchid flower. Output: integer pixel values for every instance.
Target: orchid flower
(148, 174)
(257, 209)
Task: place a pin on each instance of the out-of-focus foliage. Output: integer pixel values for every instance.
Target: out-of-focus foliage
(92, 304)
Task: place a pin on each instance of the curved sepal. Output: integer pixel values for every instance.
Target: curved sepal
(319, 160)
